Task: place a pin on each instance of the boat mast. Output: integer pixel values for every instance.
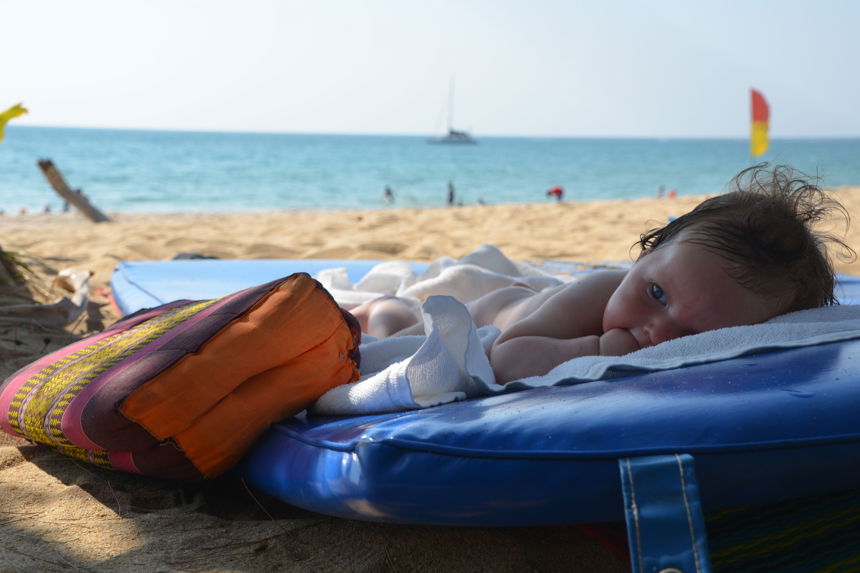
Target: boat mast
(451, 106)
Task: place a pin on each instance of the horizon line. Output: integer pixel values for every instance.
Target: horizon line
(418, 135)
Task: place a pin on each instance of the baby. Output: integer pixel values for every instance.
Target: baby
(738, 258)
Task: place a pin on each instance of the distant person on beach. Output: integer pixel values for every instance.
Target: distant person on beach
(556, 191)
(738, 258)
(450, 193)
(389, 195)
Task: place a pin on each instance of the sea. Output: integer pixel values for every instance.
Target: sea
(128, 171)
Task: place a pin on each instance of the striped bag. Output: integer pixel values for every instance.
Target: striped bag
(183, 390)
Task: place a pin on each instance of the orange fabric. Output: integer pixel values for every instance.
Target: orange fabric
(274, 361)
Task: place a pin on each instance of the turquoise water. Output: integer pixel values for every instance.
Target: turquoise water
(165, 171)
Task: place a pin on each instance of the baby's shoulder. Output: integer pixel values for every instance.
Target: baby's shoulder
(598, 280)
(590, 290)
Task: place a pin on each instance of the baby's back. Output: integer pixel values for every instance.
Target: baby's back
(506, 306)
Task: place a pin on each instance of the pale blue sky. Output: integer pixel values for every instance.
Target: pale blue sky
(663, 68)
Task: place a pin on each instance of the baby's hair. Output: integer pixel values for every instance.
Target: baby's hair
(763, 228)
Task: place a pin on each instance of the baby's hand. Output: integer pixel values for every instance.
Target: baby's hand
(617, 341)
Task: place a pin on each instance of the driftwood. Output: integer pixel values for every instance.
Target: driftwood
(76, 198)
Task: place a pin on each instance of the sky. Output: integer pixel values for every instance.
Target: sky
(606, 68)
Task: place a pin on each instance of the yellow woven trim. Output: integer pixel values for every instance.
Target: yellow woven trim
(38, 406)
(97, 457)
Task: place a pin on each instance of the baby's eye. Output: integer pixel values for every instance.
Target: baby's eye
(657, 293)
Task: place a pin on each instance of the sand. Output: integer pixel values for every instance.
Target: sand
(58, 514)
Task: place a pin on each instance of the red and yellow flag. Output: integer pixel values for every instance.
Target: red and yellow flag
(760, 118)
(11, 113)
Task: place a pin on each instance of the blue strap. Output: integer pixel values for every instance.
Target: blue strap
(665, 525)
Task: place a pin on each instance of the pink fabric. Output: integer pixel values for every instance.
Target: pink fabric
(31, 370)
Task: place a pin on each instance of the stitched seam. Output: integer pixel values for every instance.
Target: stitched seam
(634, 508)
(689, 512)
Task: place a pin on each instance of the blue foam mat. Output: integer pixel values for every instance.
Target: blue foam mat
(760, 428)
(145, 284)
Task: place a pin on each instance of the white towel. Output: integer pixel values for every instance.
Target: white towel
(449, 363)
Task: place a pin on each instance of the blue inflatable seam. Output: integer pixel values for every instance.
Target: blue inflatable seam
(459, 451)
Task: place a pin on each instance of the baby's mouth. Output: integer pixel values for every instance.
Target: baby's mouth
(642, 339)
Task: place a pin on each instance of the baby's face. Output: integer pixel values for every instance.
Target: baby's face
(678, 289)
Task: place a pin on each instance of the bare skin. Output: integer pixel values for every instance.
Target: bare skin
(680, 288)
(390, 316)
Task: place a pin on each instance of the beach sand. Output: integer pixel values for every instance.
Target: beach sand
(58, 514)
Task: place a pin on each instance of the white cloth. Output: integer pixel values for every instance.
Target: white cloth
(476, 274)
(450, 362)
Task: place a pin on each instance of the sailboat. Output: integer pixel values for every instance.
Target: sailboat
(453, 135)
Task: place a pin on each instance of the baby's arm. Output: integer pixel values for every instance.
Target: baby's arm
(526, 356)
(569, 324)
(616, 342)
